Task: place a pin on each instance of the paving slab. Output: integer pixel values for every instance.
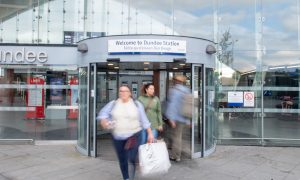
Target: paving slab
(47, 162)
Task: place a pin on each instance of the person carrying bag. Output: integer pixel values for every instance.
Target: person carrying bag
(125, 118)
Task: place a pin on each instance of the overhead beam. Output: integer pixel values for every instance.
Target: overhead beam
(15, 6)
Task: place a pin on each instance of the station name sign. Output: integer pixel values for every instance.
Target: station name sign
(147, 46)
(23, 56)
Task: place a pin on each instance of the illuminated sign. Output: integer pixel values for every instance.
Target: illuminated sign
(23, 56)
(146, 46)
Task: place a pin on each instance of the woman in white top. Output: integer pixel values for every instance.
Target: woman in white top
(126, 118)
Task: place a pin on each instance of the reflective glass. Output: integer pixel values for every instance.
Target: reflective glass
(95, 21)
(24, 26)
(198, 108)
(38, 102)
(151, 17)
(194, 18)
(15, 109)
(55, 22)
(9, 33)
(239, 118)
(74, 17)
(43, 19)
(281, 24)
(281, 94)
(238, 19)
(210, 115)
(82, 99)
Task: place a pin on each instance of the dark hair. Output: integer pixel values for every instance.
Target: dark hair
(145, 87)
(125, 85)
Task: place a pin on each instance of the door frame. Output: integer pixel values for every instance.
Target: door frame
(92, 93)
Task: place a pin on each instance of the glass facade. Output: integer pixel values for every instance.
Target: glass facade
(68, 21)
(259, 72)
(257, 84)
(38, 102)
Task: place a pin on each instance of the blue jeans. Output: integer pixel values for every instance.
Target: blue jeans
(125, 155)
(145, 135)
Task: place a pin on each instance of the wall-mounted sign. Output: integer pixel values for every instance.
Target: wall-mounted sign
(23, 56)
(146, 46)
(248, 99)
(235, 98)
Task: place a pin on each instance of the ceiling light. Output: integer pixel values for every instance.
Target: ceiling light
(116, 67)
(146, 63)
(279, 67)
(294, 66)
(175, 68)
(182, 64)
(110, 64)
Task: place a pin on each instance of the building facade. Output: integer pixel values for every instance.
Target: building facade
(256, 73)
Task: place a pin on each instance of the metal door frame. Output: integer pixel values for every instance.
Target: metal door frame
(92, 93)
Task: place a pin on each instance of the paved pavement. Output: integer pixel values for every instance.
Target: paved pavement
(36, 162)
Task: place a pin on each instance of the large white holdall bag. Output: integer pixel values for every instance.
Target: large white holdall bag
(154, 159)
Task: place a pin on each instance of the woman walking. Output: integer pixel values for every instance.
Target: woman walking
(126, 118)
(153, 110)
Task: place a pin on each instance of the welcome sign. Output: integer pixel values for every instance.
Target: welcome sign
(146, 46)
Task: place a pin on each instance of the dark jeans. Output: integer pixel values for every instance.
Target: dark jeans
(125, 155)
(144, 135)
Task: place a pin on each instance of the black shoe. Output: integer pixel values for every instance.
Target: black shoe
(175, 159)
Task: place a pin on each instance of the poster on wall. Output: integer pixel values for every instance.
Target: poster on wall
(249, 99)
(56, 94)
(235, 98)
(35, 97)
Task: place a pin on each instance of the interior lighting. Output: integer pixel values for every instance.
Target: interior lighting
(175, 68)
(294, 66)
(146, 63)
(116, 67)
(110, 64)
(279, 67)
(182, 64)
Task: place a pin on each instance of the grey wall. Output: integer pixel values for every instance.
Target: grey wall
(98, 51)
(56, 54)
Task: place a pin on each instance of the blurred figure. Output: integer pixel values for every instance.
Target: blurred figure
(125, 118)
(153, 110)
(176, 119)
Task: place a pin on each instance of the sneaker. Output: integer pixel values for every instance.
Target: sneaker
(175, 159)
(172, 158)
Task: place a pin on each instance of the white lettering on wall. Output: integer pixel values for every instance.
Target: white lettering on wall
(23, 56)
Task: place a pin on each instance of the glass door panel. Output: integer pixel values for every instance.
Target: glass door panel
(83, 109)
(197, 128)
(92, 109)
(210, 142)
(107, 90)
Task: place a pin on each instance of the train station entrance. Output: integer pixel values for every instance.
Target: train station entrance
(99, 83)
